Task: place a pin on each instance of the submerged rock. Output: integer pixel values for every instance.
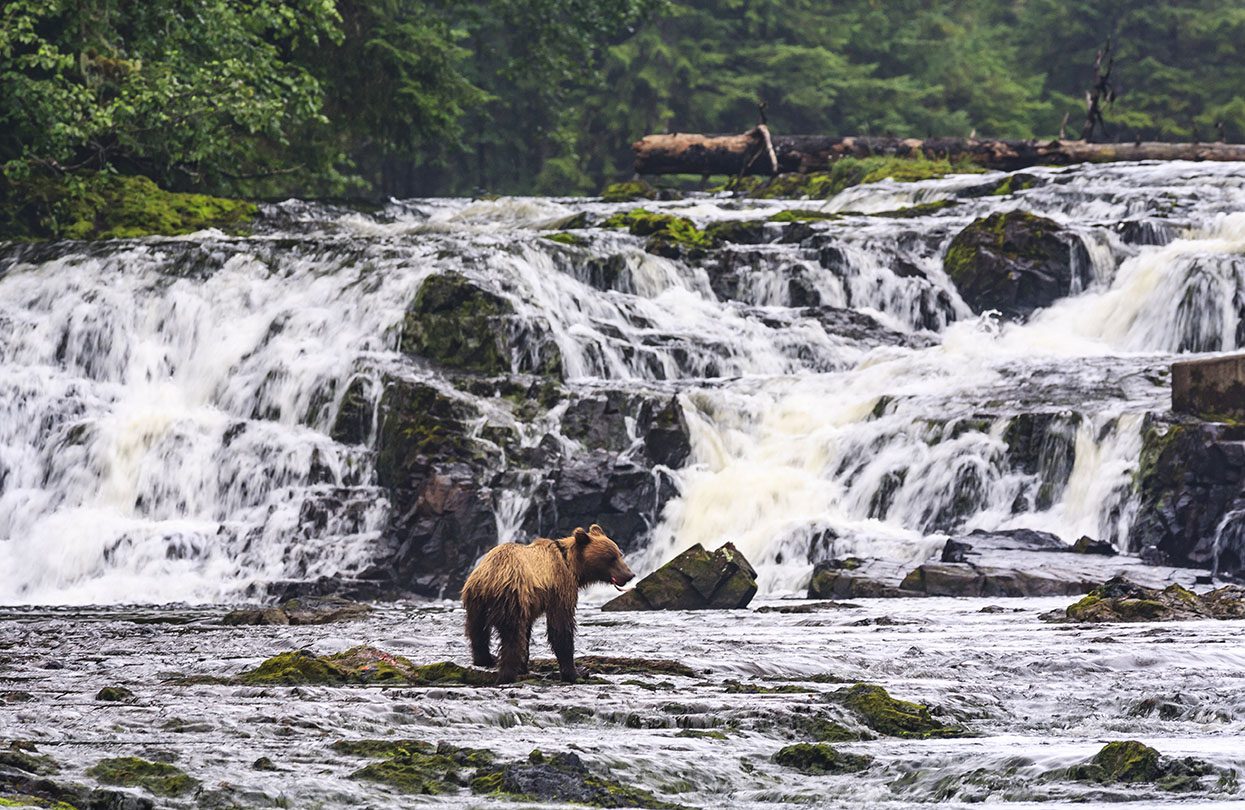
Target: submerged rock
(560, 778)
(1013, 262)
(412, 766)
(874, 706)
(1131, 762)
(159, 778)
(359, 665)
(115, 694)
(304, 610)
(819, 758)
(1119, 600)
(695, 580)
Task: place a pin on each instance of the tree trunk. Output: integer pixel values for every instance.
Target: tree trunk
(685, 153)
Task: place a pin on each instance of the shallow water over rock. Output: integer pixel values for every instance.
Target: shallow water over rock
(1034, 697)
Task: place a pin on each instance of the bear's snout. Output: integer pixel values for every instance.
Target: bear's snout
(621, 575)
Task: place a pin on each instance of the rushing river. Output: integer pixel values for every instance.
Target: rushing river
(167, 413)
(166, 404)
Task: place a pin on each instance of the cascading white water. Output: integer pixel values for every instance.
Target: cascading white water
(166, 405)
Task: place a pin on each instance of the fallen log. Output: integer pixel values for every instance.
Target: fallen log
(687, 153)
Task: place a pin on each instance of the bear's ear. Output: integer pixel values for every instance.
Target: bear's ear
(581, 536)
(595, 529)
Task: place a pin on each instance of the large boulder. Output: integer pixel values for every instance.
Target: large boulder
(456, 323)
(857, 578)
(1013, 262)
(1191, 483)
(695, 580)
(1211, 388)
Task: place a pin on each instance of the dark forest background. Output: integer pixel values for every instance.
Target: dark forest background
(423, 97)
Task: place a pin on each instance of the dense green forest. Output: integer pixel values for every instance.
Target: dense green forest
(421, 97)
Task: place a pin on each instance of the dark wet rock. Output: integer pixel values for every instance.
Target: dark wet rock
(1022, 562)
(623, 496)
(1191, 485)
(1119, 600)
(1088, 545)
(560, 778)
(413, 766)
(695, 580)
(874, 707)
(66, 795)
(159, 778)
(456, 323)
(742, 231)
(1147, 231)
(1131, 762)
(806, 607)
(434, 471)
(264, 764)
(305, 610)
(355, 414)
(857, 578)
(608, 665)
(1042, 445)
(1013, 262)
(115, 694)
(361, 665)
(819, 758)
(27, 761)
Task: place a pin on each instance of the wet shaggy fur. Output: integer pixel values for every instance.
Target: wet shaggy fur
(514, 584)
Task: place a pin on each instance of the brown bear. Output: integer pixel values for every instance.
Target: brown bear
(514, 584)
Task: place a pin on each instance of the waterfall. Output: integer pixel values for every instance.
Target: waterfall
(168, 406)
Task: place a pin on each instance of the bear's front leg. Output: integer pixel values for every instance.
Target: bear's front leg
(561, 631)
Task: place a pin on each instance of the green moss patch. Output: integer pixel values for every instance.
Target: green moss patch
(850, 171)
(803, 215)
(359, 665)
(413, 766)
(667, 233)
(628, 191)
(560, 778)
(108, 206)
(159, 778)
(454, 322)
(819, 758)
(874, 706)
(564, 238)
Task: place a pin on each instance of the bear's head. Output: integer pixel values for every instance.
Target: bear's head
(600, 559)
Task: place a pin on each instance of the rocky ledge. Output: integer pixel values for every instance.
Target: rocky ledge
(1017, 562)
(1119, 600)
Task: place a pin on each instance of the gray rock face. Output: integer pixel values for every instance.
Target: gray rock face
(857, 578)
(695, 580)
(1192, 495)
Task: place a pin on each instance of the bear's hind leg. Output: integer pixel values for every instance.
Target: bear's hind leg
(480, 632)
(561, 630)
(513, 655)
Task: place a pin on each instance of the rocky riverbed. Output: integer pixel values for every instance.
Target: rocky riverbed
(1012, 710)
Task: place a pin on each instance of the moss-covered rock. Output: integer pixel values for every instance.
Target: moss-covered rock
(159, 778)
(115, 694)
(850, 171)
(28, 761)
(1128, 761)
(1013, 262)
(108, 206)
(560, 778)
(359, 665)
(740, 231)
(459, 324)
(874, 706)
(694, 580)
(1120, 600)
(1132, 762)
(918, 210)
(803, 215)
(819, 758)
(565, 238)
(668, 234)
(413, 766)
(628, 191)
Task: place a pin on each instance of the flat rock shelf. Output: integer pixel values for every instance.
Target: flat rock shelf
(1034, 701)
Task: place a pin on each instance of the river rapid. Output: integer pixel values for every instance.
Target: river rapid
(168, 436)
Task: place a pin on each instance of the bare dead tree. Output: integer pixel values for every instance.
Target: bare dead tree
(1101, 92)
